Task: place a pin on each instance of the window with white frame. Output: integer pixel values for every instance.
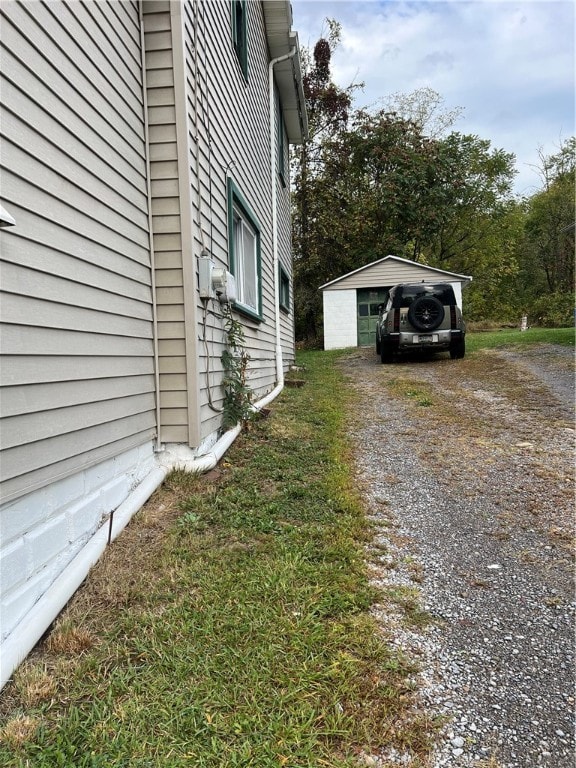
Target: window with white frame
(244, 248)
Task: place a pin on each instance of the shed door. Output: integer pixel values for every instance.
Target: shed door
(368, 300)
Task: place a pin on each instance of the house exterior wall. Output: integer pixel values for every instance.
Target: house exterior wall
(76, 305)
(229, 115)
(208, 124)
(89, 259)
(457, 285)
(170, 205)
(340, 319)
(77, 373)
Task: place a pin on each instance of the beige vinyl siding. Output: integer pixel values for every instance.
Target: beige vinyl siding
(213, 74)
(178, 388)
(15, 399)
(285, 256)
(206, 123)
(33, 282)
(20, 370)
(387, 273)
(234, 114)
(77, 370)
(207, 200)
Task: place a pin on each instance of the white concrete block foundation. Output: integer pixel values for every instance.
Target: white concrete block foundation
(41, 533)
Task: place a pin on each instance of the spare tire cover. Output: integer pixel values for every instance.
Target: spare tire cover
(426, 313)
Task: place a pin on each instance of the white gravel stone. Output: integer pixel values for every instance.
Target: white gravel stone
(479, 524)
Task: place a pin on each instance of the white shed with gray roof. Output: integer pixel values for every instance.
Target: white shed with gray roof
(350, 302)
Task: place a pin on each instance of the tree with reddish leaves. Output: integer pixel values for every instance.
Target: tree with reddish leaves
(328, 110)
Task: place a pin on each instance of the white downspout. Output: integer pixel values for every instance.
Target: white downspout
(275, 259)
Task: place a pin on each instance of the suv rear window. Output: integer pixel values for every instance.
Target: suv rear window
(404, 295)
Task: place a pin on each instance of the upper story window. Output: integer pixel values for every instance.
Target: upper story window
(239, 34)
(244, 253)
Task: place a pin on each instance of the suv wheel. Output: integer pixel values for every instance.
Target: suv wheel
(426, 313)
(458, 349)
(386, 352)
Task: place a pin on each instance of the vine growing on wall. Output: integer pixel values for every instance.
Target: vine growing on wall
(237, 405)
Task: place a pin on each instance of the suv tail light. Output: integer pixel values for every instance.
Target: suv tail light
(453, 322)
(396, 320)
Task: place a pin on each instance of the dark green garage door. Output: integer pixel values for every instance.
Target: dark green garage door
(368, 300)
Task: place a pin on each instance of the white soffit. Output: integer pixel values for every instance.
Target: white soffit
(281, 40)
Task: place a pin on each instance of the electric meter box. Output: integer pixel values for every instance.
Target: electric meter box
(224, 284)
(205, 269)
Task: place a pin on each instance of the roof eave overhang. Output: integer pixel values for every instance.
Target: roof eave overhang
(288, 74)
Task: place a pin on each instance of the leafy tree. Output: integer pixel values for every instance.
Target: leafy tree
(546, 249)
(550, 222)
(395, 174)
(424, 107)
(494, 266)
(382, 186)
(475, 185)
(328, 109)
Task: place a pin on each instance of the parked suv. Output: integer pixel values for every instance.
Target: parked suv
(420, 316)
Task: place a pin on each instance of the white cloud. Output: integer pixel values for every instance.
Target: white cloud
(509, 64)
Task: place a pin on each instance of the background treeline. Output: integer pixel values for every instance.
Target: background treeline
(399, 180)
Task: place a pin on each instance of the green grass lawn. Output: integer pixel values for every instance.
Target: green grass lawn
(228, 625)
(481, 340)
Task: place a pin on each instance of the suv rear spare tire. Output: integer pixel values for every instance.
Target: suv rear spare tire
(426, 313)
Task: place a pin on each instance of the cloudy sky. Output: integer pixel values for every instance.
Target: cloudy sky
(508, 64)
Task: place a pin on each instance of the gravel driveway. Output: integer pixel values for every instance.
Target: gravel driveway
(467, 470)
